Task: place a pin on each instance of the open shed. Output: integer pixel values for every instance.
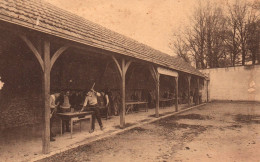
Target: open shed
(44, 48)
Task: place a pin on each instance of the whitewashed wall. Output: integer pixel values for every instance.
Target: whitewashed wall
(240, 83)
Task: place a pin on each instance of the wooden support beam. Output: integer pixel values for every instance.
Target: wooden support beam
(153, 73)
(57, 54)
(33, 49)
(198, 92)
(118, 66)
(122, 71)
(43, 49)
(156, 77)
(153, 76)
(122, 112)
(124, 67)
(176, 93)
(188, 79)
(127, 65)
(46, 92)
(208, 96)
(157, 95)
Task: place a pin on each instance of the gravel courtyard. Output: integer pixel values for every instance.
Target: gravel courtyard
(218, 131)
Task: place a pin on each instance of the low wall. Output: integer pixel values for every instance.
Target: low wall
(240, 83)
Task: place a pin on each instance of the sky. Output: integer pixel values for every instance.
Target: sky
(152, 22)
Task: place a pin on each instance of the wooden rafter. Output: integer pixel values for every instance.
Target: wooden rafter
(33, 49)
(127, 65)
(153, 73)
(118, 66)
(57, 54)
(38, 55)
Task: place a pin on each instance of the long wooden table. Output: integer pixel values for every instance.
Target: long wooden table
(135, 103)
(74, 116)
(165, 100)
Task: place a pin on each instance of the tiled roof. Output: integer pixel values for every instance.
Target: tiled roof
(44, 17)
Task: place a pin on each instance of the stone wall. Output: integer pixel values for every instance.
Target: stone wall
(240, 83)
(20, 111)
(20, 99)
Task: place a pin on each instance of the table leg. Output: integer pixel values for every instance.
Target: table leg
(71, 127)
(61, 126)
(127, 109)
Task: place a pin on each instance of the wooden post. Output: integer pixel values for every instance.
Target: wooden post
(157, 95)
(198, 93)
(122, 72)
(176, 94)
(122, 113)
(46, 92)
(42, 54)
(208, 97)
(188, 79)
(156, 78)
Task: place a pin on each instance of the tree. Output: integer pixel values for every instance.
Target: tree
(240, 15)
(206, 35)
(196, 37)
(215, 31)
(254, 41)
(232, 42)
(221, 36)
(180, 47)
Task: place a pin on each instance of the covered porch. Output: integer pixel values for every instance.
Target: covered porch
(40, 58)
